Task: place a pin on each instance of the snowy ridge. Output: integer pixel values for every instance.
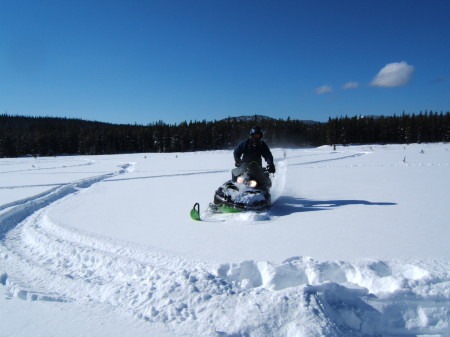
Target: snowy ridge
(44, 259)
(390, 289)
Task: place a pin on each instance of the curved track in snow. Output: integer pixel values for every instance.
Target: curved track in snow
(42, 260)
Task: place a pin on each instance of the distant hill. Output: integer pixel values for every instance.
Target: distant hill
(250, 118)
(371, 116)
(261, 118)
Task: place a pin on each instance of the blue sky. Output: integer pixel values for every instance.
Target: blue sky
(144, 61)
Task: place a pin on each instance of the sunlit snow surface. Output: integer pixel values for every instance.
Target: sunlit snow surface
(356, 244)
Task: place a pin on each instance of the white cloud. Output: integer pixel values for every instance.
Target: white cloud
(350, 85)
(393, 75)
(324, 89)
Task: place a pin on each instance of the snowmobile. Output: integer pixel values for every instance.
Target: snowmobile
(248, 191)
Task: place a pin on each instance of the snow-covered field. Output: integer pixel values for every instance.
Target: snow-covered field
(357, 243)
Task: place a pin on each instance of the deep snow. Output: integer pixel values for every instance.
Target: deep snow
(355, 244)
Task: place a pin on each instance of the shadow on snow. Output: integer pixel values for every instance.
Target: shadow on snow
(287, 205)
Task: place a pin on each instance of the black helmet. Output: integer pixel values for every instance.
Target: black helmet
(256, 129)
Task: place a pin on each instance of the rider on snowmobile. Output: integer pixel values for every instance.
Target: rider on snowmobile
(251, 150)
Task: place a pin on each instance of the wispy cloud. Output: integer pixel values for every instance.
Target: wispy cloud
(324, 89)
(350, 85)
(440, 79)
(393, 75)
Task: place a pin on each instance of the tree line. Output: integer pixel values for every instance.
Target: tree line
(49, 136)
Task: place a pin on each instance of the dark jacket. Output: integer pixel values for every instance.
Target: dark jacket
(253, 152)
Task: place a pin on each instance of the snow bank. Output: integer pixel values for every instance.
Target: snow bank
(367, 297)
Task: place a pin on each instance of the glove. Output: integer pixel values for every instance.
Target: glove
(271, 168)
(237, 162)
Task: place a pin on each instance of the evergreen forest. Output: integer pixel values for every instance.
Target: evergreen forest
(49, 136)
